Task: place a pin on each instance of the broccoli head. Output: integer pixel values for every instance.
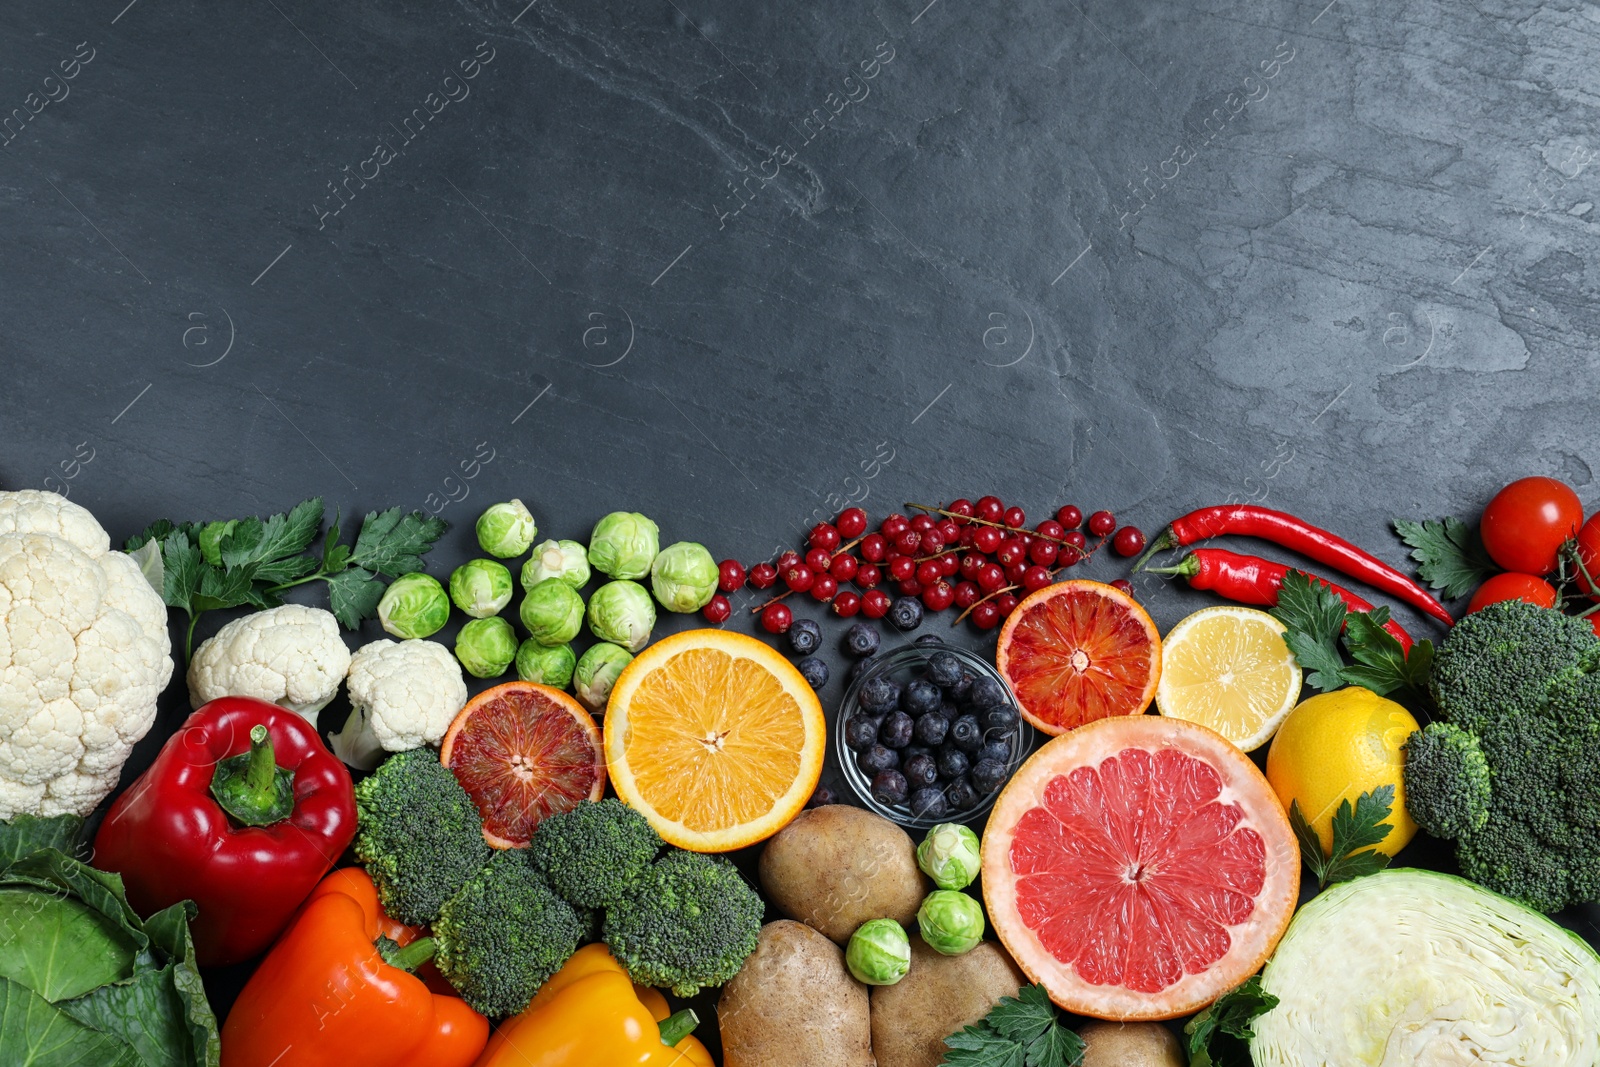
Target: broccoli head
(420, 835)
(504, 934)
(1520, 686)
(691, 921)
(1447, 780)
(593, 854)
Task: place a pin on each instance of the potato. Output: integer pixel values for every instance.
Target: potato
(793, 1004)
(837, 866)
(937, 997)
(1109, 1044)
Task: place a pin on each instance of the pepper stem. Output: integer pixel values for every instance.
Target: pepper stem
(251, 786)
(1160, 543)
(1187, 567)
(677, 1026)
(408, 958)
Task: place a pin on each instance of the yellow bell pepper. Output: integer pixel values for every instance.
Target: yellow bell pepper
(590, 1014)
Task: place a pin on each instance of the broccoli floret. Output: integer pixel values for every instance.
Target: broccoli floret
(504, 934)
(691, 921)
(594, 853)
(1447, 781)
(1523, 683)
(420, 835)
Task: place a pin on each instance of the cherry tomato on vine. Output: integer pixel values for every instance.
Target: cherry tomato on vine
(1513, 586)
(1589, 554)
(1528, 521)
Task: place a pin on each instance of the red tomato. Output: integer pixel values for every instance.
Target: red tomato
(1589, 554)
(1528, 521)
(1594, 622)
(1512, 586)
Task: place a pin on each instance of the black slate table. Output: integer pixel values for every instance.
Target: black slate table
(734, 265)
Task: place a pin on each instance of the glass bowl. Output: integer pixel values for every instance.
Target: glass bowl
(900, 666)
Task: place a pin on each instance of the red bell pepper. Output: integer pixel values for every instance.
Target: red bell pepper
(243, 812)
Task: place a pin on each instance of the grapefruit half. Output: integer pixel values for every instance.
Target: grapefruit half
(524, 752)
(1078, 651)
(1139, 867)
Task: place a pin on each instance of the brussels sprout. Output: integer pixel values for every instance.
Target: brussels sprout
(486, 647)
(684, 577)
(951, 922)
(879, 952)
(414, 605)
(481, 587)
(624, 544)
(950, 856)
(545, 664)
(597, 672)
(565, 560)
(622, 613)
(506, 530)
(553, 612)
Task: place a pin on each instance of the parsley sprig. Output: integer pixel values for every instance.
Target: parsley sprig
(232, 563)
(1355, 830)
(1220, 1035)
(1020, 1031)
(1448, 552)
(1316, 618)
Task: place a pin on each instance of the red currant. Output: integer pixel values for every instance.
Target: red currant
(763, 575)
(949, 531)
(799, 577)
(967, 534)
(875, 603)
(949, 564)
(1069, 517)
(1050, 528)
(929, 571)
(986, 616)
(1123, 585)
(819, 560)
(992, 577)
(989, 508)
(1102, 523)
(823, 586)
(971, 563)
(824, 536)
(967, 594)
(1011, 551)
(846, 604)
(987, 540)
(868, 576)
(844, 567)
(910, 587)
(874, 547)
(902, 567)
(1035, 577)
(1015, 517)
(932, 543)
(717, 609)
(938, 596)
(1069, 556)
(776, 618)
(1129, 541)
(851, 523)
(1006, 603)
(789, 559)
(894, 525)
(923, 523)
(1044, 552)
(908, 542)
(1015, 572)
(960, 509)
(1076, 539)
(730, 576)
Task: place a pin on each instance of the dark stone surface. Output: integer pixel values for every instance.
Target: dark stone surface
(1139, 256)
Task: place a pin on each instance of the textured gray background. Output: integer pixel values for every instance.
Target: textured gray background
(683, 257)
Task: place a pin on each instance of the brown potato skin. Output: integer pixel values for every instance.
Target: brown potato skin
(837, 866)
(793, 1004)
(937, 997)
(1108, 1044)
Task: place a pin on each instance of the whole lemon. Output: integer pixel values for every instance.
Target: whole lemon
(1336, 746)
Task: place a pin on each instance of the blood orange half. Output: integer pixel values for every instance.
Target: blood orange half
(1139, 867)
(1078, 651)
(523, 752)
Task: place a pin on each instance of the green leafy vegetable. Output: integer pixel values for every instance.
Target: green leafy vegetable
(1020, 1031)
(1314, 615)
(23, 834)
(1448, 552)
(1381, 664)
(1354, 829)
(1220, 1035)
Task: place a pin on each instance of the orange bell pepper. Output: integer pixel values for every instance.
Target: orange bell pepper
(590, 1014)
(325, 996)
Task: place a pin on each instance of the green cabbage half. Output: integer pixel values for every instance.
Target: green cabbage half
(1409, 968)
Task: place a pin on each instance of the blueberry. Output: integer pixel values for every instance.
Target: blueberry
(929, 640)
(966, 734)
(821, 797)
(949, 710)
(920, 770)
(1000, 720)
(861, 732)
(861, 640)
(960, 795)
(931, 728)
(944, 670)
(928, 802)
(896, 730)
(878, 695)
(861, 666)
(988, 775)
(962, 687)
(814, 671)
(889, 787)
(914, 750)
(986, 693)
(877, 758)
(920, 697)
(804, 637)
(905, 613)
(953, 763)
(999, 751)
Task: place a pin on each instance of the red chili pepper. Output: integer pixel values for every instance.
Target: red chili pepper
(243, 811)
(1253, 580)
(1247, 520)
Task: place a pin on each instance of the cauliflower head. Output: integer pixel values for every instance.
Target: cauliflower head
(290, 655)
(402, 696)
(84, 652)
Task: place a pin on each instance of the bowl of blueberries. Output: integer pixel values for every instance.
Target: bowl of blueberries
(929, 733)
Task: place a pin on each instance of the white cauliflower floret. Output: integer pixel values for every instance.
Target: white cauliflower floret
(402, 696)
(84, 652)
(291, 655)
